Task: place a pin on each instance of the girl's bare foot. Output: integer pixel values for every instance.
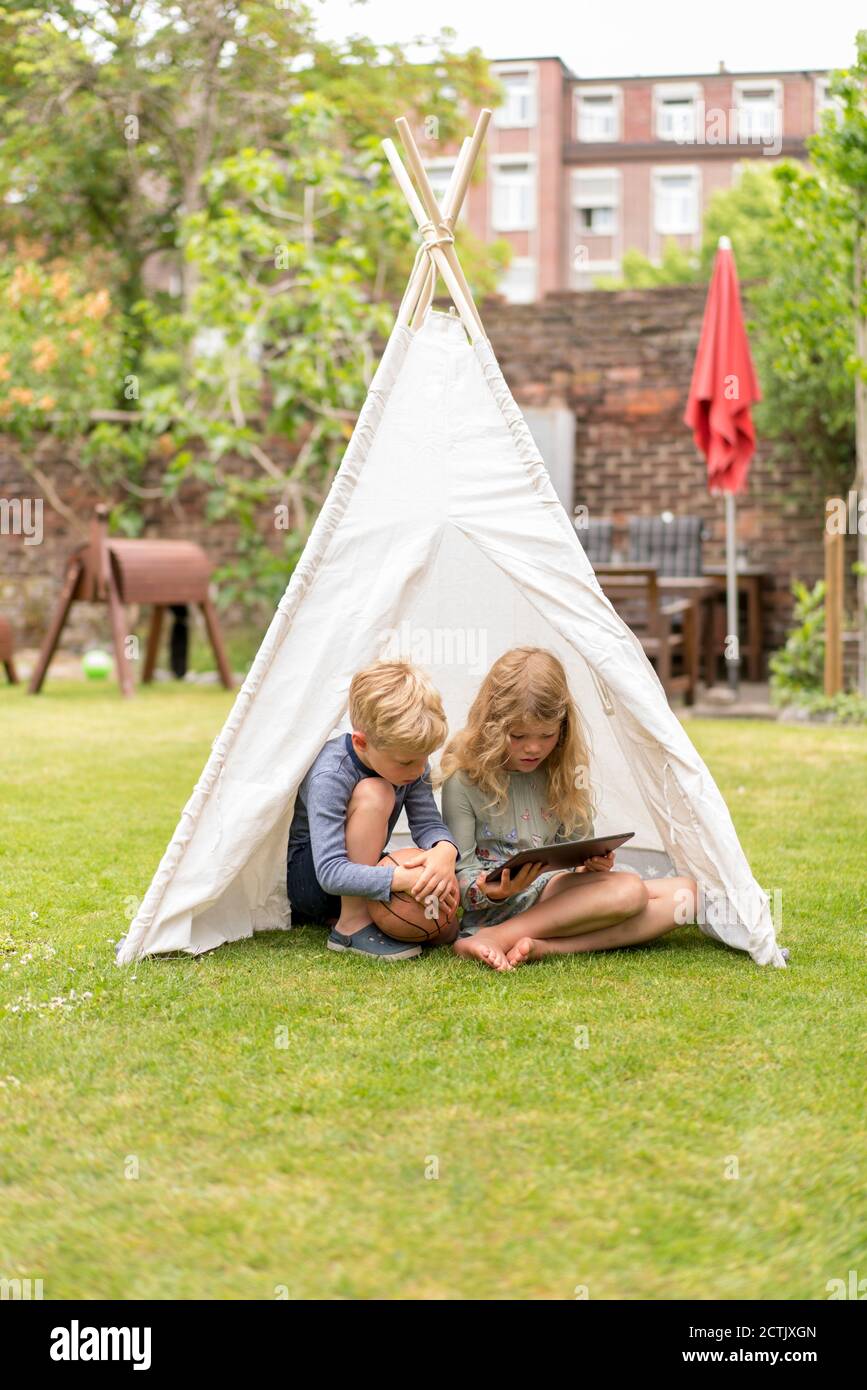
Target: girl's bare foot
(525, 950)
(485, 951)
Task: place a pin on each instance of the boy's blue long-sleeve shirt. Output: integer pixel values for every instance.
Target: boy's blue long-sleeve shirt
(320, 820)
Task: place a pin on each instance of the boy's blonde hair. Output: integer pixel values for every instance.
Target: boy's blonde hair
(526, 683)
(397, 707)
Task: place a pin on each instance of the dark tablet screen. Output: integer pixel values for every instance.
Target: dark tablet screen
(565, 856)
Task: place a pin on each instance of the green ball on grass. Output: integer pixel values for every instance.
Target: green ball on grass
(96, 665)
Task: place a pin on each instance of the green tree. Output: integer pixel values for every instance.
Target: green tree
(280, 339)
(112, 112)
(742, 213)
(224, 141)
(840, 154)
(677, 266)
(800, 325)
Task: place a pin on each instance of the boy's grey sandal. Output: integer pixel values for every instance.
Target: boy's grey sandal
(370, 941)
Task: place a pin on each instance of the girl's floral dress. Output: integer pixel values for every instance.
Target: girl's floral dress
(488, 835)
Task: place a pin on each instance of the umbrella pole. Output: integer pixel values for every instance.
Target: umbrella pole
(733, 652)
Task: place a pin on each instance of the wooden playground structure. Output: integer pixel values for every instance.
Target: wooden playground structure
(165, 574)
(7, 649)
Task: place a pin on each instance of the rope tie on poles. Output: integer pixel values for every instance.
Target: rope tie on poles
(431, 238)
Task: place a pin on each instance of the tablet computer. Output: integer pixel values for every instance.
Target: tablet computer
(565, 856)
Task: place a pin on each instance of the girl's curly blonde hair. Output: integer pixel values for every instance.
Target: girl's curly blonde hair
(526, 684)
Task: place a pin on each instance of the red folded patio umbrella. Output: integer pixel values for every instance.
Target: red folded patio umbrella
(718, 412)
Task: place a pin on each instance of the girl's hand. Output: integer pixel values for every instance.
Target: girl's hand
(601, 864)
(507, 887)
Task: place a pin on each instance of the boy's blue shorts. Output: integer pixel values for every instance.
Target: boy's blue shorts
(307, 898)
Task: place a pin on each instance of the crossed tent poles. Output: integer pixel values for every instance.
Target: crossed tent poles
(436, 224)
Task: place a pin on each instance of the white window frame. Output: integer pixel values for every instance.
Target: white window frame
(441, 163)
(527, 263)
(616, 93)
(659, 174)
(579, 175)
(744, 86)
(502, 117)
(823, 101)
(499, 162)
(676, 91)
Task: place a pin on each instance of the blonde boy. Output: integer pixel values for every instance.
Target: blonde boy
(349, 802)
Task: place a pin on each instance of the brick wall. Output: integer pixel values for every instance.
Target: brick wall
(622, 362)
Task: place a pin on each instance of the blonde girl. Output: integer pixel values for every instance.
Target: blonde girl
(515, 779)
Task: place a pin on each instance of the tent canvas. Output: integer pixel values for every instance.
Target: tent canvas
(441, 539)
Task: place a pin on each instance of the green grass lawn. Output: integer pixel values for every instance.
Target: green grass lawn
(303, 1166)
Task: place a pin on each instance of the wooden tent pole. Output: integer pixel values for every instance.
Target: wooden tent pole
(450, 211)
(469, 319)
(422, 281)
(430, 203)
(476, 141)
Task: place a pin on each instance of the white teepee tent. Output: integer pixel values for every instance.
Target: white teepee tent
(441, 539)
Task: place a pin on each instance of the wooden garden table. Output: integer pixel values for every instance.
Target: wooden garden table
(751, 580)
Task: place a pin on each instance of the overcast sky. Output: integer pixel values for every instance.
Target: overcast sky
(620, 37)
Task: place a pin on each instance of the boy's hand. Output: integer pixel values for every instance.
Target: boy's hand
(438, 872)
(437, 876)
(506, 887)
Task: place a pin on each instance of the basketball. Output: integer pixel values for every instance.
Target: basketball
(405, 919)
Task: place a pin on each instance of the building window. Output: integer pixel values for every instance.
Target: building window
(518, 283)
(598, 115)
(596, 199)
(676, 202)
(514, 196)
(676, 111)
(758, 107)
(519, 106)
(439, 173)
(825, 102)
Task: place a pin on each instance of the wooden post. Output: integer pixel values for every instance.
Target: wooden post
(153, 645)
(74, 571)
(210, 616)
(834, 545)
(118, 634)
(98, 557)
(861, 450)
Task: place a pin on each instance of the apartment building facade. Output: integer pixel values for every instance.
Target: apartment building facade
(580, 170)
